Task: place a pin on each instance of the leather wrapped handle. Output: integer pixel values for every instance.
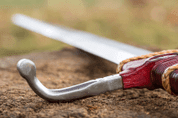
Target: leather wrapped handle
(144, 73)
(159, 69)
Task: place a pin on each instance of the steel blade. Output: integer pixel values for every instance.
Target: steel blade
(103, 47)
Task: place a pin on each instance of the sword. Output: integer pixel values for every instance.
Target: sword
(106, 48)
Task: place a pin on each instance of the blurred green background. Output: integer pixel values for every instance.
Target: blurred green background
(143, 23)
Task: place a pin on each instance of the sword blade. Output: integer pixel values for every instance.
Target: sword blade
(103, 47)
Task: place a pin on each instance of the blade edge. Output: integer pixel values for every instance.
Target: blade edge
(103, 47)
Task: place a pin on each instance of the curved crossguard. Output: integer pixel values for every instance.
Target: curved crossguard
(27, 70)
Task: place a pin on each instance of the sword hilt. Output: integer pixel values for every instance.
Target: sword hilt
(160, 69)
(145, 73)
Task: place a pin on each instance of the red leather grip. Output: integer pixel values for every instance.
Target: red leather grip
(159, 69)
(144, 73)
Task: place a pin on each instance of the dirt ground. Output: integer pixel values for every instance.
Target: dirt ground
(72, 66)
